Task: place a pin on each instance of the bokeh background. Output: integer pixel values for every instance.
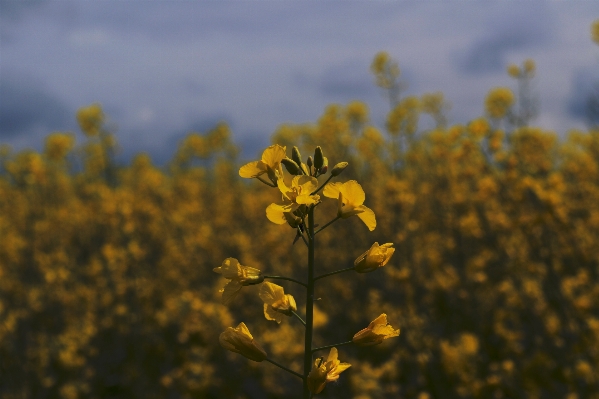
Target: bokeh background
(123, 125)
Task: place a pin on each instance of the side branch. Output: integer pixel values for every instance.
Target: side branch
(335, 272)
(299, 318)
(331, 346)
(284, 368)
(287, 278)
(326, 225)
(322, 185)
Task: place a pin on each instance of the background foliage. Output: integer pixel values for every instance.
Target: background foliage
(107, 289)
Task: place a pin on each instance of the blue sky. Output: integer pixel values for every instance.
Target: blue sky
(164, 68)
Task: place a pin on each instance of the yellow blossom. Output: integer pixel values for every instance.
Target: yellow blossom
(498, 102)
(324, 372)
(269, 164)
(276, 302)
(351, 196)
(595, 31)
(239, 276)
(240, 340)
(90, 119)
(300, 193)
(377, 331)
(513, 70)
(377, 256)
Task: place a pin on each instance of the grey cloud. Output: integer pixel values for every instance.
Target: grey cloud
(25, 107)
(343, 82)
(585, 90)
(507, 31)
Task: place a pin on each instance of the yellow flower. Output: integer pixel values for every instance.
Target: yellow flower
(324, 372)
(377, 331)
(513, 70)
(377, 256)
(293, 197)
(240, 340)
(269, 164)
(239, 276)
(276, 302)
(90, 119)
(498, 102)
(351, 196)
(595, 31)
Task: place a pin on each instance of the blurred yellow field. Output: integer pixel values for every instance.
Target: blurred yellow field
(107, 287)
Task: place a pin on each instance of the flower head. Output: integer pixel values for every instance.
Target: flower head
(269, 164)
(239, 276)
(324, 372)
(350, 197)
(300, 193)
(276, 302)
(377, 331)
(240, 340)
(377, 256)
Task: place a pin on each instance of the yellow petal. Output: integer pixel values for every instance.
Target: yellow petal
(275, 212)
(333, 354)
(252, 169)
(273, 155)
(230, 291)
(353, 194)
(367, 216)
(243, 329)
(271, 314)
(381, 320)
(271, 293)
(331, 190)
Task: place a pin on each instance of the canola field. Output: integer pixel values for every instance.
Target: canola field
(107, 287)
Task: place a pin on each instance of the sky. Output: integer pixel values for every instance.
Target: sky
(164, 68)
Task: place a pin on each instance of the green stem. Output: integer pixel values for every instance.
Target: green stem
(265, 182)
(326, 225)
(286, 278)
(309, 303)
(299, 318)
(322, 185)
(331, 346)
(335, 272)
(284, 368)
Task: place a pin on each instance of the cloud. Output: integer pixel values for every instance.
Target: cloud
(26, 108)
(585, 86)
(506, 31)
(344, 81)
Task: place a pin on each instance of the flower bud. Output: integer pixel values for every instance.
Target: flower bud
(296, 156)
(309, 161)
(318, 158)
(377, 256)
(240, 340)
(339, 168)
(325, 166)
(291, 166)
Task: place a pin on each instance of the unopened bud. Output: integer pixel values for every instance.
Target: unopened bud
(324, 170)
(309, 162)
(291, 166)
(318, 158)
(296, 156)
(339, 168)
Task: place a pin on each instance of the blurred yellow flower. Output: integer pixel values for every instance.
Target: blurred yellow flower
(324, 372)
(351, 196)
(377, 256)
(90, 119)
(269, 164)
(298, 194)
(595, 31)
(240, 340)
(513, 70)
(377, 331)
(498, 102)
(276, 302)
(239, 276)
